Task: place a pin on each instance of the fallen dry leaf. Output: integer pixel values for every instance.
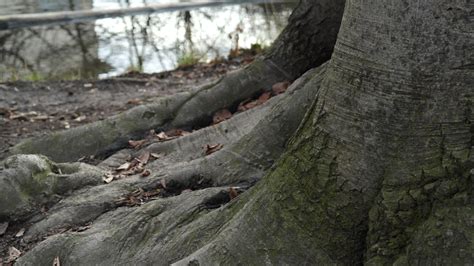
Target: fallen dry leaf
(135, 101)
(13, 254)
(178, 74)
(137, 197)
(155, 155)
(136, 143)
(108, 177)
(150, 194)
(221, 115)
(250, 105)
(20, 233)
(6, 112)
(172, 134)
(163, 183)
(176, 132)
(280, 87)
(144, 157)
(124, 167)
(136, 168)
(23, 116)
(264, 97)
(82, 228)
(233, 193)
(134, 163)
(40, 118)
(162, 136)
(213, 148)
(242, 107)
(56, 262)
(80, 118)
(146, 173)
(3, 228)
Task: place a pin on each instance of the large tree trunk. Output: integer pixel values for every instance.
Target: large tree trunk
(379, 172)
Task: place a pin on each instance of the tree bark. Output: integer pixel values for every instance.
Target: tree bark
(379, 172)
(385, 154)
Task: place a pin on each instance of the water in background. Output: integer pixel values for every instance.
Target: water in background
(148, 43)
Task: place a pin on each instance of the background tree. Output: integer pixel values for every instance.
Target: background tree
(378, 171)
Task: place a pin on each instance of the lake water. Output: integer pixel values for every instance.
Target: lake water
(112, 46)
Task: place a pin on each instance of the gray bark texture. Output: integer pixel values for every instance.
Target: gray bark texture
(378, 170)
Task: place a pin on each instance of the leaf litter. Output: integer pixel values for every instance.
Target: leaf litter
(211, 148)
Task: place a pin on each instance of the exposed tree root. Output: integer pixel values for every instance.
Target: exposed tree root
(370, 176)
(192, 109)
(252, 141)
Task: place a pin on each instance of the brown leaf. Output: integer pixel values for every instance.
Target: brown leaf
(134, 101)
(137, 197)
(20, 233)
(163, 183)
(3, 228)
(162, 136)
(176, 132)
(181, 132)
(80, 118)
(221, 115)
(155, 155)
(250, 105)
(144, 157)
(23, 116)
(146, 173)
(136, 143)
(124, 166)
(134, 163)
(280, 87)
(108, 177)
(40, 118)
(6, 112)
(264, 97)
(56, 262)
(213, 148)
(178, 74)
(82, 228)
(242, 107)
(13, 254)
(186, 191)
(233, 193)
(150, 194)
(136, 168)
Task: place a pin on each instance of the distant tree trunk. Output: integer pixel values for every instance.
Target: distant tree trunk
(378, 173)
(308, 39)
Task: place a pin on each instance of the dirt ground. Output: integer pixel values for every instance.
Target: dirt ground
(28, 109)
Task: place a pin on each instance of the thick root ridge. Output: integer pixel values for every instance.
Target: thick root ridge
(251, 140)
(189, 109)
